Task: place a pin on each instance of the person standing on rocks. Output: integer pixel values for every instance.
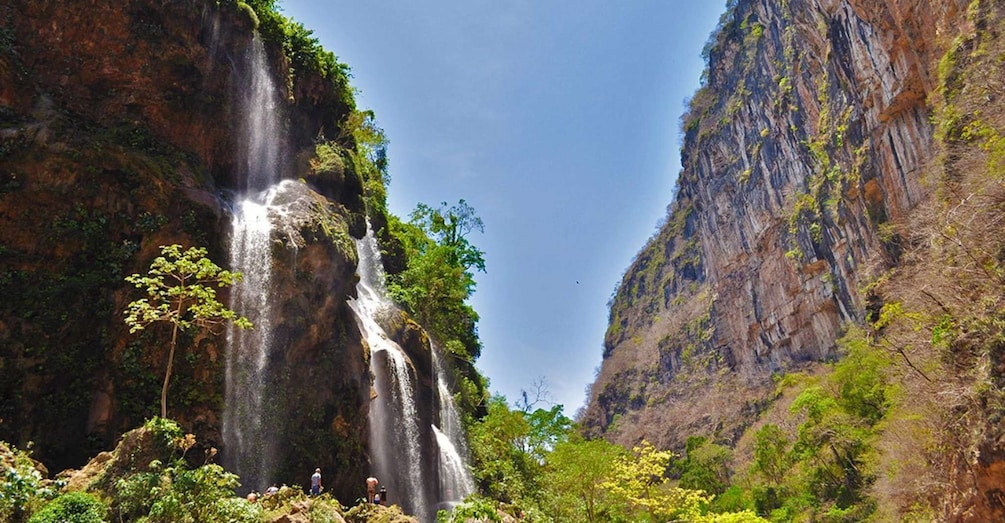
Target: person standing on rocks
(316, 482)
(371, 488)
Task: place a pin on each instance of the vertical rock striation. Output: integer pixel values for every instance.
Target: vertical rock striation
(811, 131)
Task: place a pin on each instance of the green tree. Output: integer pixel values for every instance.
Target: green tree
(72, 507)
(450, 227)
(437, 280)
(705, 466)
(503, 470)
(546, 428)
(180, 291)
(771, 454)
(575, 474)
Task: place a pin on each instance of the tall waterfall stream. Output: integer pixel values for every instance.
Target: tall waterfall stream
(248, 427)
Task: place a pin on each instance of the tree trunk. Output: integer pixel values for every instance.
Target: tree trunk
(167, 373)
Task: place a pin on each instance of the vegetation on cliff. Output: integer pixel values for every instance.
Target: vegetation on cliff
(104, 164)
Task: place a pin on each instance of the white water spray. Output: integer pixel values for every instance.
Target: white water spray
(456, 482)
(248, 426)
(455, 479)
(394, 428)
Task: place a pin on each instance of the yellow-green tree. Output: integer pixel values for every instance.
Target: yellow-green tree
(639, 480)
(180, 291)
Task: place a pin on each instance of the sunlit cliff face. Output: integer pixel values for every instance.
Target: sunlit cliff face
(811, 130)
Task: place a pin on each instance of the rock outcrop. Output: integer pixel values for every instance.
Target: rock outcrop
(810, 133)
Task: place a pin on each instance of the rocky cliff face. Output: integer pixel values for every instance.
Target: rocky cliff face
(118, 126)
(810, 134)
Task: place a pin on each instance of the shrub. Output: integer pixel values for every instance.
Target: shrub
(72, 507)
(22, 489)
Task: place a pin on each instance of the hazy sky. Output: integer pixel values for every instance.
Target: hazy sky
(557, 121)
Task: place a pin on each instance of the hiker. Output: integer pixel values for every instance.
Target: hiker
(316, 482)
(383, 494)
(371, 488)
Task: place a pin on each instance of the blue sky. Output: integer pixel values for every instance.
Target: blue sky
(558, 122)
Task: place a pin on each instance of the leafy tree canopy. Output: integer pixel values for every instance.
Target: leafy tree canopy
(437, 281)
(181, 291)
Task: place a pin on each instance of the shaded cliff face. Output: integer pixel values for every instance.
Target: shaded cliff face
(117, 135)
(811, 133)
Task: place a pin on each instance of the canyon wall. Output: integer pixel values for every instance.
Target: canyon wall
(118, 126)
(810, 134)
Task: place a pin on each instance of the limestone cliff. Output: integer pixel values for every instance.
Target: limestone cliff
(842, 164)
(118, 125)
(811, 132)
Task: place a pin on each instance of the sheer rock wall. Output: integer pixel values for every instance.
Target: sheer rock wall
(810, 132)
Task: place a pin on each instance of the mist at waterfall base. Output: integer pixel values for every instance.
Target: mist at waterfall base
(418, 454)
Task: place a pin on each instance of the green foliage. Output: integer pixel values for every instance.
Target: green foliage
(575, 475)
(450, 227)
(22, 489)
(535, 464)
(640, 483)
(546, 428)
(370, 158)
(172, 491)
(503, 470)
(477, 509)
(72, 507)
(437, 281)
(179, 289)
(771, 454)
(705, 466)
(248, 11)
(860, 379)
(302, 49)
(823, 470)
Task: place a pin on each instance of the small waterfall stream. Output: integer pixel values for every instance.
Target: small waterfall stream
(401, 449)
(394, 428)
(456, 482)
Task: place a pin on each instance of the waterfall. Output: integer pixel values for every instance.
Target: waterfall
(394, 428)
(249, 426)
(400, 446)
(455, 478)
(260, 154)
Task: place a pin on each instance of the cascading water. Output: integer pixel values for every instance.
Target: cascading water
(455, 478)
(396, 440)
(394, 428)
(248, 426)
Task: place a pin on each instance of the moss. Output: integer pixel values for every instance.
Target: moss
(249, 12)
